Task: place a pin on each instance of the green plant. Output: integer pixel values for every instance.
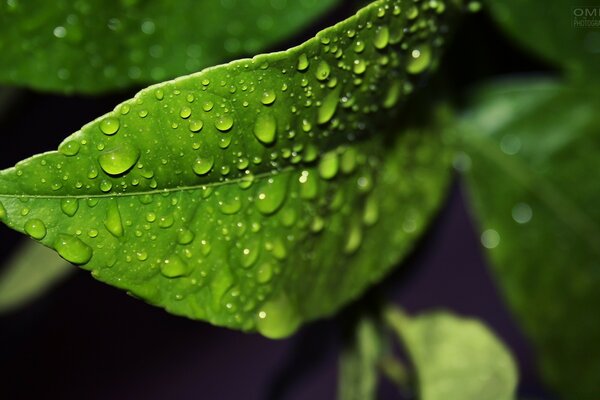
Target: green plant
(268, 192)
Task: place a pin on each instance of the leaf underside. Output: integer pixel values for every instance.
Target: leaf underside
(533, 148)
(254, 195)
(96, 45)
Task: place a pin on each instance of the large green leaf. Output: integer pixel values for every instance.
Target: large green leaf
(455, 357)
(29, 273)
(254, 195)
(564, 32)
(533, 149)
(96, 45)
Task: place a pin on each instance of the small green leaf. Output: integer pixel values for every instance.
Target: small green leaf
(360, 358)
(31, 271)
(532, 149)
(95, 45)
(455, 357)
(173, 196)
(560, 31)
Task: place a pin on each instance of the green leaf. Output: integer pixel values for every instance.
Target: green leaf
(455, 357)
(533, 147)
(96, 45)
(255, 195)
(554, 30)
(360, 358)
(32, 270)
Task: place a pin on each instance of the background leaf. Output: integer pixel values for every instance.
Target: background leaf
(548, 29)
(95, 45)
(253, 195)
(533, 147)
(360, 358)
(32, 270)
(455, 357)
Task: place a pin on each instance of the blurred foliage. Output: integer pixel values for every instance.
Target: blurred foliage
(556, 31)
(29, 273)
(90, 46)
(531, 161)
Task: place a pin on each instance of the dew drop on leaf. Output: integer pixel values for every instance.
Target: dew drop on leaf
(35, 228)
(119, 160)
(174, 267)
(113, 221)
(109, 126)
(420, 59)
(277, 318)
(329, 165)
(69, 206)
(268, 97)
(265, 128)
(73, 249)
(328, 108)
(224, 123)
(203, 165)
(271, 195)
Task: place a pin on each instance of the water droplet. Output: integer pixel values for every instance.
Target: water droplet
(382, 37)
(349, 161)
(271, 195)
(359, 67)
(70, 148)
(110, 125)
(185, 236)
(354, 239)
(120, 159)
(203, 165)
(174, 267)
(159, 94)
(224, 123)
(69, 206)
(277, 318)
(196, 125)
(185, 112)
(420, 59)
(230, 204)
(393, 95)
(72, 249)
(264, 273)
(249, 256)
(522, 213)
(309, 185)
(490, 239)
(329, 165)
(113, 221)
(207, 106)
(323, 71)
(268, 97)
(166, 221)
(35, 228)
(265, 128)
(303, 62)
(328, 107)
(371, 212)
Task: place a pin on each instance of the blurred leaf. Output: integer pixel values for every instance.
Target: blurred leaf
(532, 167)
(455, 357)
(97, 45)
(30, 272)
(254, 195)
(549, 29)
(360, 358)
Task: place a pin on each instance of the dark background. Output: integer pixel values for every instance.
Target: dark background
(88, 340)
